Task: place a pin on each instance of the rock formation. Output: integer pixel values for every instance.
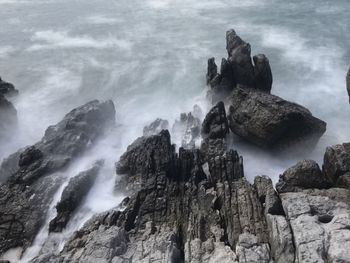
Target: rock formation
(33, 174)
(238, 70)
(196, 206)
(267, 120)
(72, 196)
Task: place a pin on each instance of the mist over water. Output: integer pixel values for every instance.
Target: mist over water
(150, 58)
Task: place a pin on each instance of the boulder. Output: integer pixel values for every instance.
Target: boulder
(34, 174)
(72, 196)
(269, 121)
(336, 161)
(304, 175)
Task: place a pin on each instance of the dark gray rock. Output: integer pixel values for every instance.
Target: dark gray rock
(269, 121)
(336, 161)
(72, 196)
(238, 70)
(262, 73)
(155, 127)
(34, 173)
(215, 124)
(212, 70)
(304, 175)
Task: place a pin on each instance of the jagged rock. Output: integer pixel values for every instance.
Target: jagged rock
(238, 70)
(262, 73)
(62, 142)
(188, 128)
(72, 196)
(155, 127)
(348, 83)
(215, 124)
(212, 70)
(241, 63)
(280, 235)
(336, 161)
(304, 175)
(7, 88)
(320, 223)
(269, 121)
(28, 192)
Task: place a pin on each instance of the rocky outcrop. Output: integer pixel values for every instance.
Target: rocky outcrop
(34, 173)
(269, 121)
(72, 196)
(155, 127)
(304, 175)
(336, 163)
(348, 83)
(254, 114)
(238, 70)
(183, 211)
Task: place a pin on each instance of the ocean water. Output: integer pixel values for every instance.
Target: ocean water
(150, 58)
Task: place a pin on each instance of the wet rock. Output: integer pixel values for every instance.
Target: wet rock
(262, 73)
(348, 83)
(72, 196)
(238, 70)
(269, 121)
(215, 124)
(155, 127)
(336, 161)
(34, 172)
(304, 175)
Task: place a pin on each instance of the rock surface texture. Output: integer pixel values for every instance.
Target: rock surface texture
(34, 174)
(196, 206)
(193, 205)
(72, 196)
